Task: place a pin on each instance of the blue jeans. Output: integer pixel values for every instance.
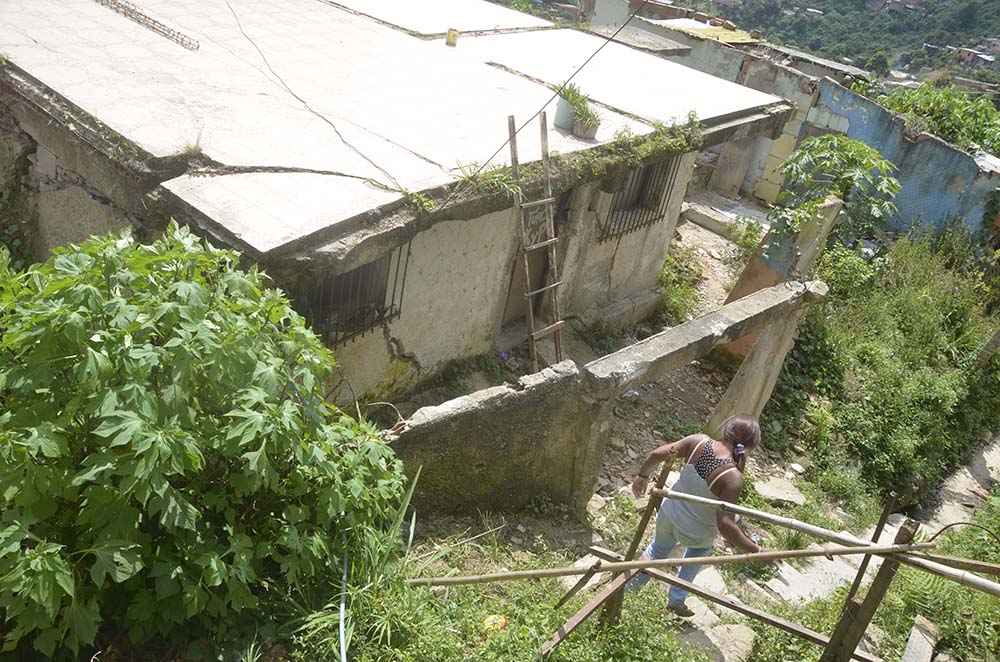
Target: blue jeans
(664, 541)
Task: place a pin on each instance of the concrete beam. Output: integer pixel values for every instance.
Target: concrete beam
(657, 355)
(708, 218)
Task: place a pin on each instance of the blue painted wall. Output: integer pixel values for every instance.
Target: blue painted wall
(937, 181)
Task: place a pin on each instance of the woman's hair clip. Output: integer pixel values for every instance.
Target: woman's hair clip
(740, 449)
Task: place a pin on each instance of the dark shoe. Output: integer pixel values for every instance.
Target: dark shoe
(680, 609)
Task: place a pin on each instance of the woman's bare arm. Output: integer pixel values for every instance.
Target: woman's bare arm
(731, 489)
(682, 447)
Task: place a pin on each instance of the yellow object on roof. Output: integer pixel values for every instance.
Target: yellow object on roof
(699, 29)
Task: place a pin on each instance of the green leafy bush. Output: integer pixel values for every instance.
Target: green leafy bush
(746, 233)
(166, 453)
(894, 350)
(849, 169)
(948, 112)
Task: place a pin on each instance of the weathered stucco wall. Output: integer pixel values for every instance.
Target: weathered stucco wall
(456, 288)
(749, 166)
(459, 277)
(938, 181)
(598, 273)
(500, 448)
(67, 206)
(503, 447)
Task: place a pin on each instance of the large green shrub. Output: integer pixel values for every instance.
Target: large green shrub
(166, 452)
(958, 117)
(894, 351)
(849, 169)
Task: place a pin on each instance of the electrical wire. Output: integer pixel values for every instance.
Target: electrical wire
(305, 104)
(607, 41)
(973, 524)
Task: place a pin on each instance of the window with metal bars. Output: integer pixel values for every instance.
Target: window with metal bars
(353, 303)
(641, 200)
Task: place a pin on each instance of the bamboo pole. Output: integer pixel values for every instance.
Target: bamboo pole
(964, 578)
(613, 607)
(773, 555)
(963, 564)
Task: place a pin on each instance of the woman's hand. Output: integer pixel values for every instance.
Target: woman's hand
(639, 486)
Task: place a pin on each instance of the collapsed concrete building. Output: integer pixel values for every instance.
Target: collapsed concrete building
(300, 132)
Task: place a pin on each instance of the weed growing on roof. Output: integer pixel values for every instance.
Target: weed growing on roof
(419, 202)
(491, 180)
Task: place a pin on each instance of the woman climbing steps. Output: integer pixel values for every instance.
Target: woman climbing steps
(714, 470)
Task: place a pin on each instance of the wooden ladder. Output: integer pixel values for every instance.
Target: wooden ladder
(548, 243)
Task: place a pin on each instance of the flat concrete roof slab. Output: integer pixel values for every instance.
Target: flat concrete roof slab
(338, 93)
(269, 210)
(621, 77)
(429, 17)
(643, 39)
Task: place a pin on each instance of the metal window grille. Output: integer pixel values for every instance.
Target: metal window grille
(642, 199)
(351, 304)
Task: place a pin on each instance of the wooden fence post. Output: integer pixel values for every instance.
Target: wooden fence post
(613, 608)
(858, 614)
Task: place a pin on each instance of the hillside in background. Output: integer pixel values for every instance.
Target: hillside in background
(855, 29)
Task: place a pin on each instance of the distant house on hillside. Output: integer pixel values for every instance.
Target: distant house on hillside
(303, 132)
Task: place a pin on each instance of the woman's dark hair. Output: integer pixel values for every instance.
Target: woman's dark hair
(744, 430)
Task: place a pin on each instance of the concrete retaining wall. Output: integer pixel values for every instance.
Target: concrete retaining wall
(504, 447)
(500, 448)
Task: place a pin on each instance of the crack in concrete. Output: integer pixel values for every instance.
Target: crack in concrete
(212, 168)
(396, 350)
(611, 267)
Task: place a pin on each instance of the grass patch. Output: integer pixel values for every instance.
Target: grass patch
(405, 624)
(745, 233)
(605, 338)
(679, 277)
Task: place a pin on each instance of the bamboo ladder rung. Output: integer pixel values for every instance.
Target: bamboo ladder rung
(538, 203)
(542, 244)
(548, 330)
(540, 290)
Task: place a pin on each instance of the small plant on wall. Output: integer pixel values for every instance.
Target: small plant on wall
(574, 112)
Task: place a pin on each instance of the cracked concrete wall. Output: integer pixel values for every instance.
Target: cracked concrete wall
(500, 448)
(459, 276)
(68, 207)
(503, 447)
(600, 273)
(456, 288)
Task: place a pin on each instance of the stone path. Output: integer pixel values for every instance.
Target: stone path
(965, 489)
